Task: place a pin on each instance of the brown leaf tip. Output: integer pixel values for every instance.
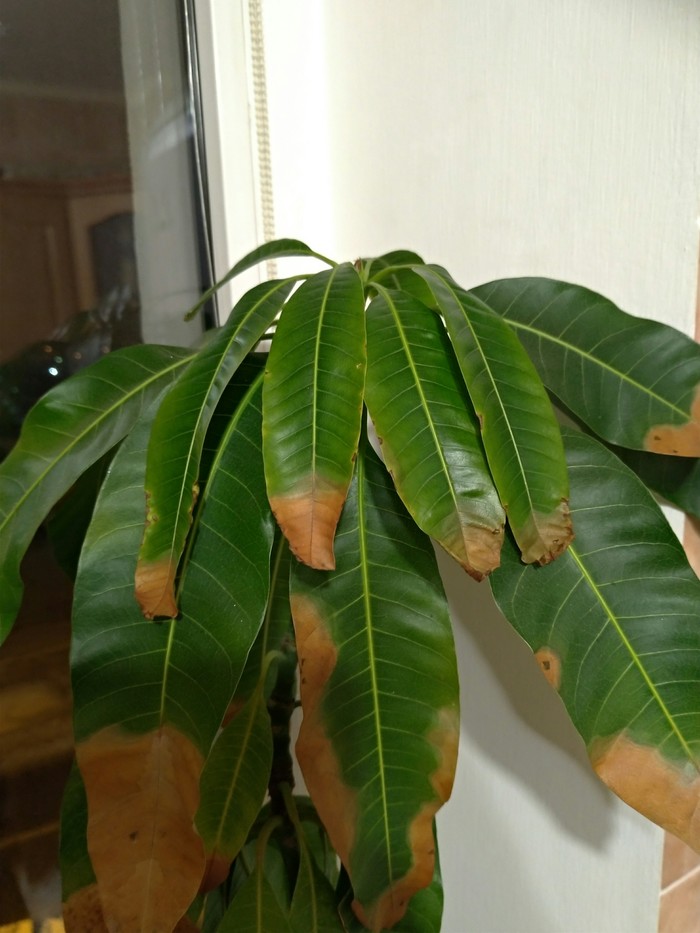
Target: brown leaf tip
(544, 537)
(155, 589)
(661, 790)
(308, 520)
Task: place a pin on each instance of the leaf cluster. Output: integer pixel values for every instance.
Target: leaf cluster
(275, 513)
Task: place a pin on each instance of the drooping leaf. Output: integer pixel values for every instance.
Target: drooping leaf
(276, 633)
(424, 914)
(233, 785)
(615, 627)
(635, 382)
(312, 404)
(70, 428)
(275, 249)
(378, 741)
(177, 439)
(150, 698)
(518, 428)
(429, 433)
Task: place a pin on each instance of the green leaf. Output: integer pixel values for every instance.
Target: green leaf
(276, 633)
(518, 427)
(429, 433)
(615, 627)
(150, 698)
(677, 479)
(312, 404)
(378, 741)
(260, 903)
(177, 439)
(275, 249)
(233, 785)
(634, 382)
(68, 522)
(254, 909)
(313, 908)
(70, 428)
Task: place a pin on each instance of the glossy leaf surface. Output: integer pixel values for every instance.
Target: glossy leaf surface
(615, 627)
(177, 439)
(68, 429)
(378, 741)
(518, 428)
(635, 382)
(312, 405)
(429, 433)
(149, 698)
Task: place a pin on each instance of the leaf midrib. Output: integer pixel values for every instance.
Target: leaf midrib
(636, 659)
(366, 597)
(597, 361)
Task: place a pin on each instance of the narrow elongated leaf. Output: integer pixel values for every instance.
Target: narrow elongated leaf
(635, 382)
(312, 406)
(520, 433)
(66, 431)
(275, 249)
(150, 698)
(378, 742)
(615, 626)
(177, 439)
(233, 785)
(429, 433)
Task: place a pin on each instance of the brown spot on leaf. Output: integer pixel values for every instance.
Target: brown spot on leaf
(390, 907)
(544, 537)
(659, 789)
(550, 665)
(155, 588)
(148, 785)
(335, 801)
(680, 440)
(82, 912)
(308, 519)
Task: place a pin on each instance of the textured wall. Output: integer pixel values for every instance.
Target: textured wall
(547, 137)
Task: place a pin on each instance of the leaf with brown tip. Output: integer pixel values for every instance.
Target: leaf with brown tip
(378, 741)
(429, 433)
(143, 792)
(519, 430)
(149, 699)
(632, 381)
(615, 626)
(312, 406)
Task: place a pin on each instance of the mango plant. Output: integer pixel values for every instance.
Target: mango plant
(265, 523)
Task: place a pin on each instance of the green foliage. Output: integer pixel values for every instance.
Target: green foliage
(183, 724)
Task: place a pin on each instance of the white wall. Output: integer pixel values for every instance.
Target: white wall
(502, 138)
